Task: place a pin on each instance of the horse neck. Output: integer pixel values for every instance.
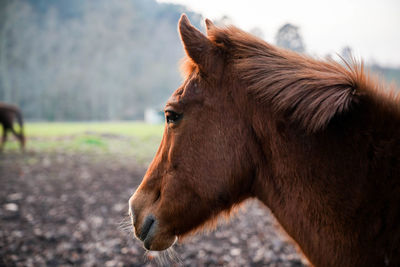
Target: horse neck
(282, 183)
(313, 183)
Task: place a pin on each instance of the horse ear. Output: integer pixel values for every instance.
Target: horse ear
(197, 46)
(209, 26)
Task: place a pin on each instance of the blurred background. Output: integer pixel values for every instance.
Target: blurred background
(92, 77)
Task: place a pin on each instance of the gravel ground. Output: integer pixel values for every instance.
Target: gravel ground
(70, 210)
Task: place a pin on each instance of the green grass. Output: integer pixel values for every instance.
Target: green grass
(59, 129)
(129, 139)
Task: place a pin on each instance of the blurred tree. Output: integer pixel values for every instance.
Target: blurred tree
(6, 8)
(223, 21)
(257, 32)
(85, 60)
(347, 54)
(289, 37)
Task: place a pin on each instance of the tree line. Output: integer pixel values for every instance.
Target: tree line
(97, 60)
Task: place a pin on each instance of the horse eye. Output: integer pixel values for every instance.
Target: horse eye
(172, 116)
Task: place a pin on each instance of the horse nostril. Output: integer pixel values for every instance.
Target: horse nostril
(147, 225)
(158, 196)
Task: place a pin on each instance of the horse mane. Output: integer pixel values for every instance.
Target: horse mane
(311, 92)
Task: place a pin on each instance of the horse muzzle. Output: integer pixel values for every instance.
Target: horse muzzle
(148, 229)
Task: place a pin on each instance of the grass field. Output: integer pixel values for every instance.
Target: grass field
(136, 139)
(58, 129)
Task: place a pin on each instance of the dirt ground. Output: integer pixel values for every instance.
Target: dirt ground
(71, 210)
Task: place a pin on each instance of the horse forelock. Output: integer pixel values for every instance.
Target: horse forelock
(187, 67)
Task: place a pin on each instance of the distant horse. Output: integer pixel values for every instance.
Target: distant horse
(316, 141)
(8, 114)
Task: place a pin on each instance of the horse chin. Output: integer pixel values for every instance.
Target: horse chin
(159, 243)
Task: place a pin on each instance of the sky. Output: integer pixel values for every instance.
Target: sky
(370, 27)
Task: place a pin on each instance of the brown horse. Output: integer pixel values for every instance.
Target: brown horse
(8, 114)
(315, 141)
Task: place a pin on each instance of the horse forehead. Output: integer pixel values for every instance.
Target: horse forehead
(190, 91)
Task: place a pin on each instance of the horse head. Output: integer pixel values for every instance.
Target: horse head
(204, 165)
